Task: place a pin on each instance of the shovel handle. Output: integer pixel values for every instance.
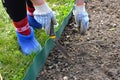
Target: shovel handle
(52, 33)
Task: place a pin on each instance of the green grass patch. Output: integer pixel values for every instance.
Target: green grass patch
(13, 63)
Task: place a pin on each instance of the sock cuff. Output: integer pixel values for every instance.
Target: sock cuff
(22, 26)
(30, 10)
(21, 23)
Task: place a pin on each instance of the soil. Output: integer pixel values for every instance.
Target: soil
(93, 56)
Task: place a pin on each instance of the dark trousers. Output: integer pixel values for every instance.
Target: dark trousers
(16, 9)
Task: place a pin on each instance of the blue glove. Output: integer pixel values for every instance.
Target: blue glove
(33, 22)
(44, 15)
(81, 18)
(46, 20)
(28, 44)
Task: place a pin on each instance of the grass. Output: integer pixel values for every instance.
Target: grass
(13, 63)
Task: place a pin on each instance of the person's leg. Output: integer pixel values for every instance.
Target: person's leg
(18, 15)
(16, 9)
(30, 10)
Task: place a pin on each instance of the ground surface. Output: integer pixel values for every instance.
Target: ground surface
(94, 56)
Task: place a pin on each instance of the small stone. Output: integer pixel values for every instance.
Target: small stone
(67, 36)
(65, 78)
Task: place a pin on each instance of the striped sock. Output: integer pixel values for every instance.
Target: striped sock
(22, 26)
(30, 11)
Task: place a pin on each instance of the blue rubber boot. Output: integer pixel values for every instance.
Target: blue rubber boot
(33, 22)
(28, 44)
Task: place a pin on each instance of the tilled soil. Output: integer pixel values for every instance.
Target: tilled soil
(94, 56)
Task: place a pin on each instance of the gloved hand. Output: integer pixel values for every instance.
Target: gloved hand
(45, 16)
(81, 18)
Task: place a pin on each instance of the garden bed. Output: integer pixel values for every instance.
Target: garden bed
(94, 56)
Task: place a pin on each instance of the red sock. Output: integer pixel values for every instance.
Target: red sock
(22, 26)
(30, 10)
